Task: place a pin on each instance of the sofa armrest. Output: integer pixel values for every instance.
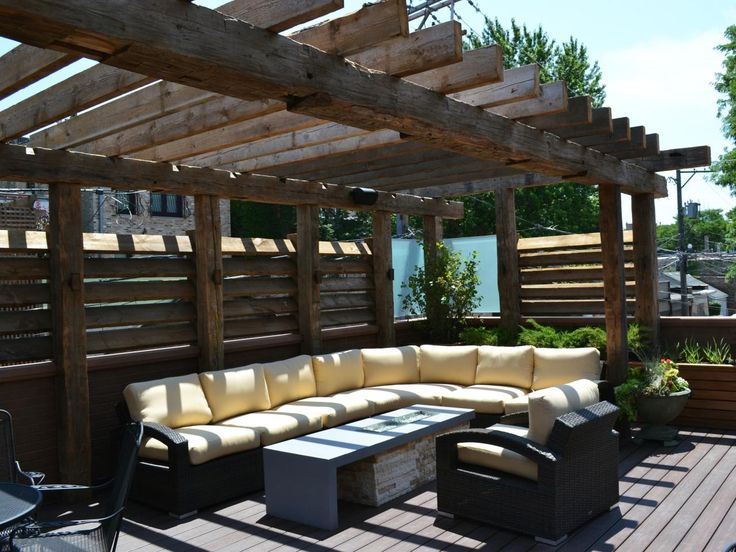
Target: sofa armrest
(605, 390)
(516, 418)
(174, 441)
(447, 446)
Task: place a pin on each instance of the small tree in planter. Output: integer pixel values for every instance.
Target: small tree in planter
(445, 291)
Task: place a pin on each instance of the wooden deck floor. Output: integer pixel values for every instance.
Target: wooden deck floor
(671, 499)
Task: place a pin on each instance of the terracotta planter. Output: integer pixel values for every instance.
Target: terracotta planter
(661, 410)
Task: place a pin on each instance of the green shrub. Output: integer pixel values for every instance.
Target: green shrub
(717, 352)
(540, 336)
(689, 352)
(587, 336)
(445, 291)
(479, 336)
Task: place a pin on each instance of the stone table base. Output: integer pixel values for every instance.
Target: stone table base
(382, 477)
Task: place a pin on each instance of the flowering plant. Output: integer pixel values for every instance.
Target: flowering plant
(658, 378)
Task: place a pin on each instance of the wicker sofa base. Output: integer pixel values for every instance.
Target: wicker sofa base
(183, 490)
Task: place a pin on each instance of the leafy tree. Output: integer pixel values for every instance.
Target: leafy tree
(261, 220)
(725, 84)
(710, 222)
(567, 61)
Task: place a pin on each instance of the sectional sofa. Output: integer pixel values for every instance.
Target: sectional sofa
(204, 432)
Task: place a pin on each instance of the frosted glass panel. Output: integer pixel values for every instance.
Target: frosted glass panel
(407, 254)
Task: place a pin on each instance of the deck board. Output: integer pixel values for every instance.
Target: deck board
(683, 498)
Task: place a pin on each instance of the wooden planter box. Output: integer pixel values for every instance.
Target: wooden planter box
(713, 400)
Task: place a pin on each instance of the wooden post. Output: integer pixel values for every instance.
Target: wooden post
(614, 290)
(383, 278)
(69, 337)
(207, 247)
(509, 286)
(308, 277)
(432, 235)
(645, 265)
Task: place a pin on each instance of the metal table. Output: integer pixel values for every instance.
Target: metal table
(17, 502)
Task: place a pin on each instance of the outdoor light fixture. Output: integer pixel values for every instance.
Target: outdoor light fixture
(364, 196)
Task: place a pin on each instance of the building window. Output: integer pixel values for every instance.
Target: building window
(126, 203)
(166, 205)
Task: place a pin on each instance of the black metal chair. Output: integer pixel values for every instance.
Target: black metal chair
(577, 476)
(91, 516)
(10, 470)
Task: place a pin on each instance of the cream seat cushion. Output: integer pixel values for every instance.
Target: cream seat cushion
(390, 397)
(448, 364)
(505, 366)
(499, 458)
(557, 366)
(290, 380)
(174, 402)
(338, 372)
(518, 404)
(390, 365)
(484, 399)
(547, 405)
(235, 391)
(206, 442)
(334, 411)
(275, 425)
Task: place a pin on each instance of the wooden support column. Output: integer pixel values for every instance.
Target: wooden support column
(432, 235)
(69, 337)
(207, 247)
(509, 286)
(645, 265)
(383, 277)
(614, 291)
(308, 278)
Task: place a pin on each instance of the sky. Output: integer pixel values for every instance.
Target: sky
(658, 62)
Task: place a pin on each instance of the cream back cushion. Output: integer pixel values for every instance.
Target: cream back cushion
(390, 365)
(235, 391)
(547, 405)
(173, 402)
(448, 364)
(290, 380)
(338, 372)
(505, 366)
(558, 366)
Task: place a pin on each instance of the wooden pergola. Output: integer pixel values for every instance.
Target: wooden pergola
(218, 104)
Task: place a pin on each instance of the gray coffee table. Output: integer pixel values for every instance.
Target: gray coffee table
(301, 474)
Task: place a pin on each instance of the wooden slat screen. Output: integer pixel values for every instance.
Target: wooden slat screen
(140, 292)
(562, 275)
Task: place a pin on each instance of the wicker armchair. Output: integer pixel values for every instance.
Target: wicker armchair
(90, 517)
(577, 476)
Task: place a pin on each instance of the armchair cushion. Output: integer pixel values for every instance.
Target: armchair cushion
(390, 365)
(498, 458)
(338, 372)
(173, 402)
(448, 364)
(557, 366)
(290, 380)
(546, 405)
(205, 442)
(505, 365)
(235, 391)
(484, 399)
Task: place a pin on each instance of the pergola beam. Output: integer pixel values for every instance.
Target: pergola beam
(186, 43)
(18, 163)
(24, 65)
(679, 158)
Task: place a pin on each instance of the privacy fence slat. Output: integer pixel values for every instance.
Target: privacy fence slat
(563, 275)
(139, 290)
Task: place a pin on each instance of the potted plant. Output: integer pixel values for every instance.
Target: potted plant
(654, 394)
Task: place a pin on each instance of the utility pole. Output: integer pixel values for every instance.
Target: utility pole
(682, 253)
